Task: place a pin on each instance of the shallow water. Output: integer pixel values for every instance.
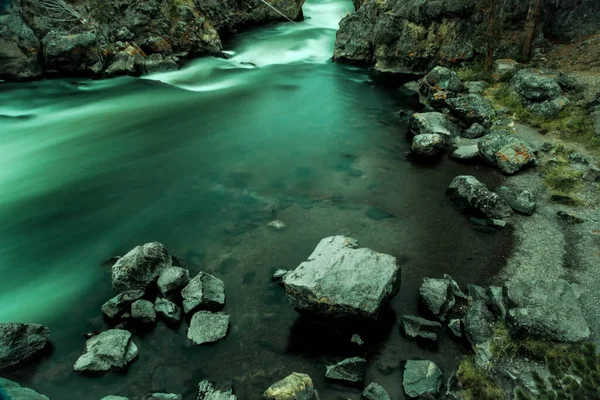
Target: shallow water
(202, 160)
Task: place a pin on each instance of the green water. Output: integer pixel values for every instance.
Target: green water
(202, 160)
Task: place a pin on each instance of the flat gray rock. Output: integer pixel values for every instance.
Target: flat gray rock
(350, 369)
(293, 387)
(546, 309)
(204, 292)
(341, 281)
(207, 391)
(520, 201)
(421, 377)
(172, 280)
(140, 268)
(121, 303)
(112, 349)
(18, 392)
(207, 327)
(375, 392)
(470, 152)
(20, 342)
(167, 310)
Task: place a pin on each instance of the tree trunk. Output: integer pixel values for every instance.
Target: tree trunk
(535, 9)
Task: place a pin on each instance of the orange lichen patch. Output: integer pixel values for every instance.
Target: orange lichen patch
(412, 54)
(441, 95)
(134, 50)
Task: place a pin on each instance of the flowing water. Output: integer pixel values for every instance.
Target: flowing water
(202, 159)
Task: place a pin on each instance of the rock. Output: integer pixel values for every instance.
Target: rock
(172, 280)
(568, 218)
(159, 63)
(205, 292)
(356, 339)
(411, 89)
(592, 174)
(438, 296)
(549, 108)
(428, 145)
(578, 158)
(475, 131)
(375, 392)
(506, 152)
(20, 342)
(497, 304)
(471, 109)
(505, 67)
(14, 391)
(470, 195)
(466, 153)
(19, 48)
(341, 281)
(432, 123)
(279, 275)
(277, 224)
(547, 147)
(168, 310)
(545, 309)
(421, 377)
(140, 268)
(162, 396)
(455, 326)
(143, 310)
(123, 63)
(114, 398)
(121, 303)
(476, 87)
(416, 327)
(70, 53)
(350, 369)
(112, 349)
(478, 322)
(535, 87)
(293, 387)
(439, 84)
(207, 327)
(207, 391)
(477, 293)
(520, 201)
(123, 34)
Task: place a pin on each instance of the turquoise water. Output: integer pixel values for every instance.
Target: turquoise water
(202, 160)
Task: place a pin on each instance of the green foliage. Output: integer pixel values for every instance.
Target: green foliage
(504, 346)
(563, 179)
(476, 383)
(474, 72)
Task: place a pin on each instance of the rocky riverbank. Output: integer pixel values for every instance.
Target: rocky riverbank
(93, 38)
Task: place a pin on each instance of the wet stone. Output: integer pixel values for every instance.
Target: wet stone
(421, 377)
(455, 326)
(207, 327)
(121, 303)
(375, 392)
(112, 349)
(293, 387)
(167, 310)
(162, 396)
(143, 310)
(350, 370)
(172, 280)
(203, 292)
(416, 327)
(208, 391)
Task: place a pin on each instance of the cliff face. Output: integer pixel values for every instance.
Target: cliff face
(412, 36)
(115, 37)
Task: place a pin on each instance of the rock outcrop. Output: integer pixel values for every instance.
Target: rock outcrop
(341, 281)
(112, 349)
(293, 387)
(20, 342)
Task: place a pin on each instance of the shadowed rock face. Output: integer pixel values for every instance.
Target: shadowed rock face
(340, 281)
(122, 32)
(20, 342)
(412, 36)
(18, 392)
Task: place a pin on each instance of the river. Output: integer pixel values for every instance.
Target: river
(202, 159)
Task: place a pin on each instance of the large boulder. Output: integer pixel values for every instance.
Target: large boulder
(520, 201)
(121, 303)
(421, 377)
(439, 84)
(545, 309)
(207, 327)
(208, 391)
(293, 387)
(428, 145)
(350, 370)
(140, 268)
(432, 123)
(535, 87)
(506, 151)
(112, 349)
(19, 48)
(20, 342)
(340, 281)
(472, 109)
(14, 391)
(72, 54)
(204, 292)
(470, 195)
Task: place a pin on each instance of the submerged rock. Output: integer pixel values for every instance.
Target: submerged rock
(172, 280)
(277, 224)
(140, 268)
(205, 292)
(162, 396)
(545, 309)
(520, 201)
(341, 281)
(168, 310)
(415, 327)
(207, 391)
(112, 349)
(207, 327)
(143, 310)
(350, 369)
(121, 303)
(20, 342)
(375, 392)
(421, 377)
(293, 387)
(428, 145)
(18, 392)
(470, 195)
